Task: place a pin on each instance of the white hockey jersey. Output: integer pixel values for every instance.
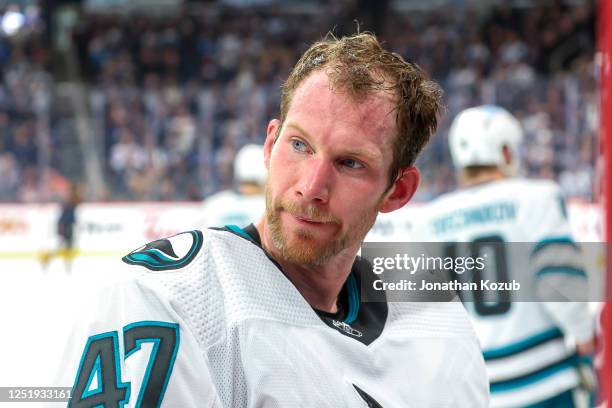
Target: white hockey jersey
(206, 319)
(231, 208)
(524, 342)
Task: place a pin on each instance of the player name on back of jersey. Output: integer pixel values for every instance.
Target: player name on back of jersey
(497, 212)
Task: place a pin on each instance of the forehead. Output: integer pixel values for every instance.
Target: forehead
(323, 107)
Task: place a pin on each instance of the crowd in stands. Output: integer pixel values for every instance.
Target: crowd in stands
(25, 129)
(172, 99)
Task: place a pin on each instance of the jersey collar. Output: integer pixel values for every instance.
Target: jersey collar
(361, 321)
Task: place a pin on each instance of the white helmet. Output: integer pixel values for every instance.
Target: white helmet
(478, 135)
(249, 165)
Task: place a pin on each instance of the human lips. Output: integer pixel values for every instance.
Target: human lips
(306, 216)
(308, 220)
(311, 219)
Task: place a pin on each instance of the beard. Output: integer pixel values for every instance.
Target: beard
(301, 246)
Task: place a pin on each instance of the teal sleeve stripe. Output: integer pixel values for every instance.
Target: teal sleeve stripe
(563, 240)
(239, 231)
(564, 270)
(568, 363)
(522, 345)
(353, 295)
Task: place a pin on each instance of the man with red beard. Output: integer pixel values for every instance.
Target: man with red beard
(270, 315)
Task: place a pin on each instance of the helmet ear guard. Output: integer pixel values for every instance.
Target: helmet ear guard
(478, 135)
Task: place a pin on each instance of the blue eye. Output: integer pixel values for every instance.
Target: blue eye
(352, 163)
(298, 145)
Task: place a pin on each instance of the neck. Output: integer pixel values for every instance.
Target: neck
(320, 285)
(249, 189)
(481, 177)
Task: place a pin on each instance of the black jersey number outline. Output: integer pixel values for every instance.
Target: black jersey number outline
(499, 266)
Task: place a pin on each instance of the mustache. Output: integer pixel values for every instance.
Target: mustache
(308, 211)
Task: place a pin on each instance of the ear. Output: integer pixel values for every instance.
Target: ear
(507, 154)
(271, 132)
(402, 190)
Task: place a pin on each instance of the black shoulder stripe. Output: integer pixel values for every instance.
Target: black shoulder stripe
(161, 255)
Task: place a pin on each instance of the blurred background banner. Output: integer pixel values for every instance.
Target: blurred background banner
(28, 230)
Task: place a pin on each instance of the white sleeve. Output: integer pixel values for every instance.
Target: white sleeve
(130, 345)
(471, 387)
(559, 270)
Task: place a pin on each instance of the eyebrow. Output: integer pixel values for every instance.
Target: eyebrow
(351, 152)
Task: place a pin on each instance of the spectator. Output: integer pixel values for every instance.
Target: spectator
(192, 89)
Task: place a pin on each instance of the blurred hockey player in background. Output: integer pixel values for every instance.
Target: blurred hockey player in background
(526, 345)
(65, 229)
(244, 204)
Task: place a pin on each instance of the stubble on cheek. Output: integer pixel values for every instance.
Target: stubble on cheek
(301, 246)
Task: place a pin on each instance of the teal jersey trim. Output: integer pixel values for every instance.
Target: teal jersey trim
(564, 400)
(561, 240)
(568, 363)
(239, 231)
(145, 258)
(353, 299)
(564, 270)
(522, 345)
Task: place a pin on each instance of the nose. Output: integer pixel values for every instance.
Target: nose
(315, 181)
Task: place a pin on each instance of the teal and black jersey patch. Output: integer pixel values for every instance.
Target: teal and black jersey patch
(165, 254)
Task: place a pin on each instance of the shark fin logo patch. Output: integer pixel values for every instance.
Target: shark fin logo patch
(167, 253)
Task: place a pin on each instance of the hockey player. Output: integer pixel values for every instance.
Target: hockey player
(270, 315)
(66, 226)
(524, 342)
(246, 204)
